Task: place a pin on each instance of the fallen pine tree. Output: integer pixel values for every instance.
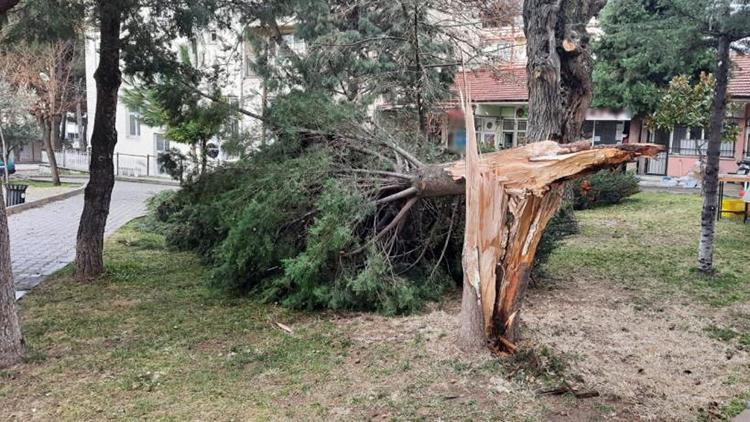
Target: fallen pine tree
(354, 220)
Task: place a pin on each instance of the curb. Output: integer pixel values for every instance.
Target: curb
(15, 209)
(148, 181)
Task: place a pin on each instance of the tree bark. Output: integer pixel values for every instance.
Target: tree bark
(6, 157)
(711, 177)
(98, 193)
(47, 137)
(11, 340)
(471, 322)
(204, 156)
(80, 126)
(6, 5)
(56, 133)
(559, 67)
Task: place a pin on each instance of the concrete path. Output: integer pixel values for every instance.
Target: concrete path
(43, 240)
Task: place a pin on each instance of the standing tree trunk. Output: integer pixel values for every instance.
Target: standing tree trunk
(204, 156)
(559, 67)
(47, 137)
(11, 340)
(57, 134)
(80, 126)
(90, 245)
(711, 177)
(471, 334)
(6, 156)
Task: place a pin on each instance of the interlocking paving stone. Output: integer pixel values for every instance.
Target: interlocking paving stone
(43, 240)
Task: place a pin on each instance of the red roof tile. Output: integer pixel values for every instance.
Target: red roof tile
(510, 85)
(739, 83)
(489, 86)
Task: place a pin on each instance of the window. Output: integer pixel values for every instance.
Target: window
(588, 129)
(486, 129)
(606, 132)
(514, 132)
(134, 123)
(161, 144)
(694, 141)
(295, 44)
(233, 125)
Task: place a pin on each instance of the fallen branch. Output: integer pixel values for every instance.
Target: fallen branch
(401, 214)
(398, 195)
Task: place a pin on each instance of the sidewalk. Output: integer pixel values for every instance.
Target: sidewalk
(42, 240)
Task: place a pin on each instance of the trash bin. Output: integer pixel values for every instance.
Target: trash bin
(15, 194)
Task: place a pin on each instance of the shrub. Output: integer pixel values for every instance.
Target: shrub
(602, 188)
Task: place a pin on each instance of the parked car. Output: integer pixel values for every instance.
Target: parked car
(11, 167)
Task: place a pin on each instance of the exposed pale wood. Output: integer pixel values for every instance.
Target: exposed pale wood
(535, 165)
(510, 198)
(473, 317)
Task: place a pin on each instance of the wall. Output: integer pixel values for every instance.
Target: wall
(679, 166)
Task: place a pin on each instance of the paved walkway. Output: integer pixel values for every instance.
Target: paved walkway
(43, 240)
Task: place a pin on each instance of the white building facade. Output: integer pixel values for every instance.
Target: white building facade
(139, 145)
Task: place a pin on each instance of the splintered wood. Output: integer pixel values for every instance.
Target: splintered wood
(511, 196)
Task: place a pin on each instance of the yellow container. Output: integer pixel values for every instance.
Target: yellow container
(732, 204)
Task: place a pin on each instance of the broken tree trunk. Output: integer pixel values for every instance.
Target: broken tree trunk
(510, 197)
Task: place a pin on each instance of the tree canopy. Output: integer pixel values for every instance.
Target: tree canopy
(645, 43)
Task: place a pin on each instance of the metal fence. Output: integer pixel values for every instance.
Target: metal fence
(125, 164)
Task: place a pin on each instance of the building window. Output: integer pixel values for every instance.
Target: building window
(296, 45)
(161, 144)
(134, 123)
(605, 132)
(694, 141)
(233, 124)
(486, 130)
(514, 133)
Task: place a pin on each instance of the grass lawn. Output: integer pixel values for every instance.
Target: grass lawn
(620, 312)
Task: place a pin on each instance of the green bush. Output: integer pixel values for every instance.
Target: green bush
(602, 188)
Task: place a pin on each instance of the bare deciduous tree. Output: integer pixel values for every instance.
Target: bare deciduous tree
(48, 70)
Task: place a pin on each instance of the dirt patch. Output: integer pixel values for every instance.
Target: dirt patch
(656, 358)
(427, 367)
